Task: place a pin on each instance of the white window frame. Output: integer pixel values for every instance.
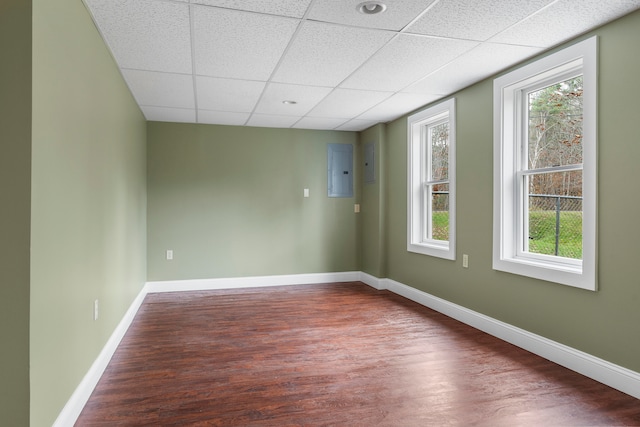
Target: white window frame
(508, 118)
(419, 212)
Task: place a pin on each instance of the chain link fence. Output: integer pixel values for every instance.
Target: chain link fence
(555, 225)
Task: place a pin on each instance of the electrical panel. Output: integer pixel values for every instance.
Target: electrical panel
(340, 170)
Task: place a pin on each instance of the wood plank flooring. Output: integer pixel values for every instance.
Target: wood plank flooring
(332, 355)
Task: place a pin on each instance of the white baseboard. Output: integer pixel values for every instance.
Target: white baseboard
(80, 396)
(251, 282)
(615, 376)
(372, 281)
(600, 370)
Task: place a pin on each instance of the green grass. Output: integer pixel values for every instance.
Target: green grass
(542, 233)
(440, 225)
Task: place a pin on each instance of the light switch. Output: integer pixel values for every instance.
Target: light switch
(306, 192)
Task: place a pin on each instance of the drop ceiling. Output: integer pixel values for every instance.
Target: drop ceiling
(234, 62)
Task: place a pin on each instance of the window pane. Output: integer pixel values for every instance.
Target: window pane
(555, 125)
(439, 141)
(440, 212)
(555, 214)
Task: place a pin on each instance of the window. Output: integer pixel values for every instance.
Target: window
(545, 168)
(431, 181)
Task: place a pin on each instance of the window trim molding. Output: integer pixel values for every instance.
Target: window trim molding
(577, 274)
(415, 124)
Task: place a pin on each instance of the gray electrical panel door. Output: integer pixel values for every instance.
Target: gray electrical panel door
(340, 170)
(369, 163)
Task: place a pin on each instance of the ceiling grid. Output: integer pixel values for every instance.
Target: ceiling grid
(235, 62)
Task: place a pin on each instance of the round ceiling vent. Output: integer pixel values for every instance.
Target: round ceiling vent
(371, 7)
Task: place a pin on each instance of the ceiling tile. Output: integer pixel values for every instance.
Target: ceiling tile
(164, 114)
(145, 34)
(399, 13)
(325, 54)
(227, 94)
(397, 105)
(564, 20)
(405, 60)
(318, 123)
(222, 118)
(293, 8)
(347, 103)
(272, 121)
(482, 62)
(356, 125)
(474, 20)
(161, 89)
(240, 45)
(306, 97)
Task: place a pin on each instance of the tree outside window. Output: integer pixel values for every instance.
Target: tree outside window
(554, 202)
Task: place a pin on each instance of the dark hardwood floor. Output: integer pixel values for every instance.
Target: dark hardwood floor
(332, 355)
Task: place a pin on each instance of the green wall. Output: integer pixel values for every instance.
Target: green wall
(88, 217)
(229, 202)
(372, 212)
(602, 323)
(15, 207)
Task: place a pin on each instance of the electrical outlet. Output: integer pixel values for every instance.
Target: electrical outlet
(356, 208)
(95, 310)
(306, 192)
(169, 254)
(465, 260)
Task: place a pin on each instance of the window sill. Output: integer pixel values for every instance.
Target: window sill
(439, 250)
(556, 272)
